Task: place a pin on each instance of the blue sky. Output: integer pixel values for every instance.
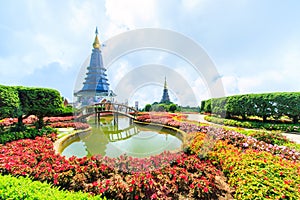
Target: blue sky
(254, 44)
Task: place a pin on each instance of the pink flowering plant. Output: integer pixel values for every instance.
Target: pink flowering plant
(124, 177)
(254, 168)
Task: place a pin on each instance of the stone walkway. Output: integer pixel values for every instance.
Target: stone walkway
(200, 118)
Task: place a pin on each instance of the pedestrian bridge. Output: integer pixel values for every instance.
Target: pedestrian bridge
(99, 109)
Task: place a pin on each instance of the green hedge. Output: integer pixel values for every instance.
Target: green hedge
(265, 105)
(40, 102)
(254, 124)
(24, 188)
(67, 111)
(9, 101)
(20, 102)
(159, 107)
(11, 135)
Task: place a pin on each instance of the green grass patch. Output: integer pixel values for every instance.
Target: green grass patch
(24, 188)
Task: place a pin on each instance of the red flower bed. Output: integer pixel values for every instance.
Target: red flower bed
(32, 119)
(166, 176)
(10, 121)
(58, 119)
(76, 125)
(167, 119)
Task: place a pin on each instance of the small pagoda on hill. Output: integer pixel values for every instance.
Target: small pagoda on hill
(165, 98)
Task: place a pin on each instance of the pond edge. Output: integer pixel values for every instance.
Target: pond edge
(59, 144)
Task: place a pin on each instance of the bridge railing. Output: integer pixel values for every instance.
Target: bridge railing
(115, 107)
(84, 112)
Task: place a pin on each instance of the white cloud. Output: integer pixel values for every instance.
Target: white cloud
(132, 13)
(250, 57)
(230, 84)
(290, 63)
(194, 5)
(117, 72)
(274, 71)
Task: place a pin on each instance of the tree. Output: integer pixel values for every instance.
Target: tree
(172, 107)
(148, 107)
(9, 101)
(41, 102)
(161, 108)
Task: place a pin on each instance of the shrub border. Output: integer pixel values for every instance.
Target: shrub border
(253, 124)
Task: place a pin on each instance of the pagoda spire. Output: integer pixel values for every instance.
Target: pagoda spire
(96, 80)
(96, 43)
(165, 85)
(165, 98)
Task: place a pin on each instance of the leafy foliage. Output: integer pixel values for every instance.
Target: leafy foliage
(40, 102)
(270, 138)
(172, 108)
(147, 107)
(24, 188)
(265, 105)
(18, 101)
(161, 107)
(9, 101)
(11, 135)
(255, 169)
(255, 124)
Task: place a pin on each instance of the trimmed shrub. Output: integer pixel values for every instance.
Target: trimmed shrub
(254, 124)
(275, 105)
(9, 101)
(31, 133)
(40, 102)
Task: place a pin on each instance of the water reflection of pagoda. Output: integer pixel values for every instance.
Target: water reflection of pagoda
(96, 86)
(101, 140)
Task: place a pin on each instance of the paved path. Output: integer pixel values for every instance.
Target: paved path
(200, 118)
(197, 117)
(293, 136)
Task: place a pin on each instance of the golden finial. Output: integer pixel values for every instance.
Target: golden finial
(96, 43)
(165, 86)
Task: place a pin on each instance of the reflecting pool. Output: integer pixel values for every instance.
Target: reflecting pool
(124, 137)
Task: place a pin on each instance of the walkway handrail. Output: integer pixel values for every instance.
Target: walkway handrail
(106, 107)
(115, 107)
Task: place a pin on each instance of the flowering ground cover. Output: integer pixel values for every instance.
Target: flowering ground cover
(10, 133)
(32, 119)
(166, 176)
(75, 125)
(255, 169)
(255, 174)
(233, 137)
